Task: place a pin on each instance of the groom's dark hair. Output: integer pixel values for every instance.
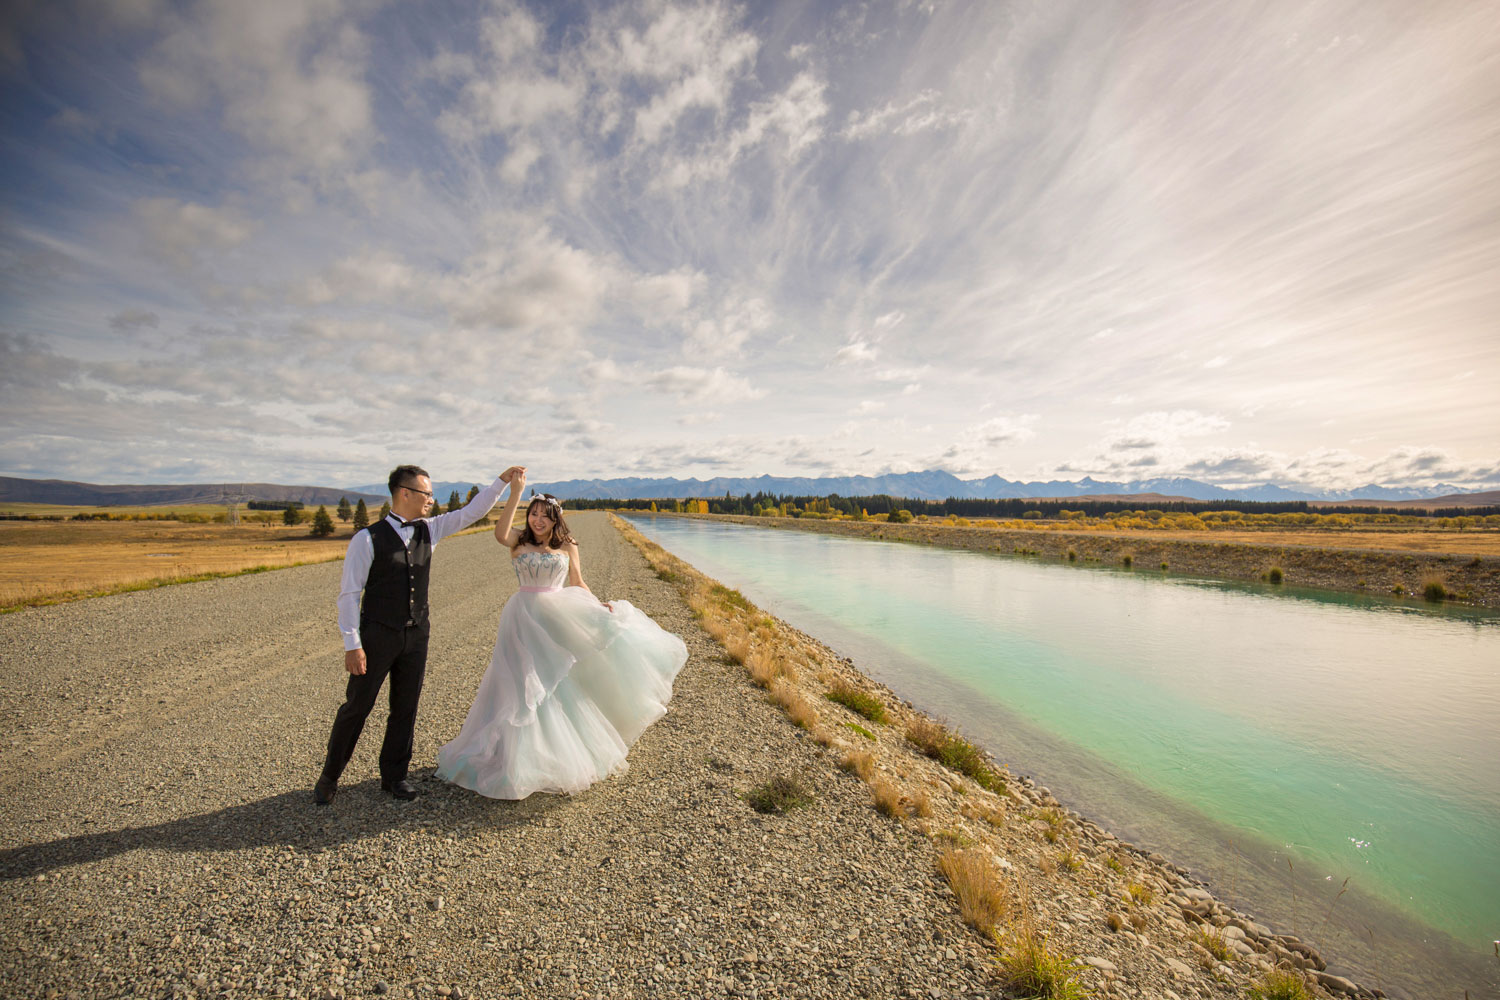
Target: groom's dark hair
(403, 474)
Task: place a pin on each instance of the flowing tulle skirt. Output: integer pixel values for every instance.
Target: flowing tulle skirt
(570, 687)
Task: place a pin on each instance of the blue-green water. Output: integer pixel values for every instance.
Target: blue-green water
(1276, 742)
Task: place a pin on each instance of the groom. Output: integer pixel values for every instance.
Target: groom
(386, 634)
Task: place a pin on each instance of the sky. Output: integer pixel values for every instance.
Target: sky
(303, 242)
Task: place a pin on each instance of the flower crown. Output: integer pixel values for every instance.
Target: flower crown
(547, 498)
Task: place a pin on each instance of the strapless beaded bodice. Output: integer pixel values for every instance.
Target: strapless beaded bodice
(541, 569)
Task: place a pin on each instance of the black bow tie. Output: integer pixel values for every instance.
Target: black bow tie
(409, 524)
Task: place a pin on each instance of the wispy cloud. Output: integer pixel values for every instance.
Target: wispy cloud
(693, 236)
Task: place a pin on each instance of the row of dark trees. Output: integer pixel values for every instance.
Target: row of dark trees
(752, 503)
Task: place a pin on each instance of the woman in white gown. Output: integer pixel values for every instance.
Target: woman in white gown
(572, 682)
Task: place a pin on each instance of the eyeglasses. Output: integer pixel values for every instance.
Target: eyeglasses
(413, 489)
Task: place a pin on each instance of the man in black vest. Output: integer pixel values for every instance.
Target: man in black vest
(386, 634)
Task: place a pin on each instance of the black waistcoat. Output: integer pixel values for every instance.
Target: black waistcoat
(396, 589)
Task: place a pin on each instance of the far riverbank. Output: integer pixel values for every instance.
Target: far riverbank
(1465, 579)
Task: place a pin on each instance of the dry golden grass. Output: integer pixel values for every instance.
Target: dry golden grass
(921, 804)
(1486, 543)
(993, 815)
(766, 667)
(861, 762)
(822, 736)
(887, 798)
(48, 561)
(797, 707)
(981, 893)
(738, 646)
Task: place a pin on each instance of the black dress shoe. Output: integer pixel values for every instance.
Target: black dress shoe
(402, 789)
(324, 791)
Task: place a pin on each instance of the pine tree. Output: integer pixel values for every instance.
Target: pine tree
(473, 492)
(344, 510)
(291, 516)
(361, 516)
(322, 523)
(385, 509)
(453, 501)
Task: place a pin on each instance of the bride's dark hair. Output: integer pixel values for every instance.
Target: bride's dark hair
(560, 533)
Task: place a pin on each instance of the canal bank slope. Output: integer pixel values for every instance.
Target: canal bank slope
(157, 835)
(1469, 579)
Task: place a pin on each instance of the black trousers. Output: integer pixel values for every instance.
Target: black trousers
(401, 654)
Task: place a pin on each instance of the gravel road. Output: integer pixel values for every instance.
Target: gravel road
(158, 837)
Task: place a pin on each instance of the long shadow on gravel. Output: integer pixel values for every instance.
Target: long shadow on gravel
(361, 811)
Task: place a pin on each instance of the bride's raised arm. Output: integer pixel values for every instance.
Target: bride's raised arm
(505, 531)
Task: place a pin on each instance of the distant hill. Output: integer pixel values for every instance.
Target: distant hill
(440, 491)
(61, 491)
(939, 485)
(1491, 498)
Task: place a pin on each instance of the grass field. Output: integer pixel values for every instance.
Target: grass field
(1439, 541)
(46, 562)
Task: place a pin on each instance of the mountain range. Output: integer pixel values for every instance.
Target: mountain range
(929, 485)
(938, 485)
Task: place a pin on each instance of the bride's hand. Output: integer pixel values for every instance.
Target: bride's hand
(515, 476)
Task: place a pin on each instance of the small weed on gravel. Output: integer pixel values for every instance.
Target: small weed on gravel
(861, 730)
(779, 795)
(1280, 985)
(1028, 966)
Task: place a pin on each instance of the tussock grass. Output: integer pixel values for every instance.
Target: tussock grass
(861, 763)
(1068, 858)
(1113, 864)
(1435, 590)
(982, 896)
(1213, 942)
(823, 737)
(858, 701)
(1138, 894)
(1280, 984)
(1138, 920)
(993, 815)
(952, 750)
(887, 798)
(1115, 922)
(1034, 970)
(779, 795)
(794, 703)
(738, 646)
(766, 667)
(921, 804)
(1275, 575)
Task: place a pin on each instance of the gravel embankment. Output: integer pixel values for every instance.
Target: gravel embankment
(158, 838)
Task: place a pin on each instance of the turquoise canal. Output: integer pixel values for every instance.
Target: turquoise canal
(1277, 742)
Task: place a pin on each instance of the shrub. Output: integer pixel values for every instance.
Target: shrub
(861, 702)
(779, 795)
(1072, 555)
(1274, 574)
(1433, 590)
(1127, 561)
(981, 893)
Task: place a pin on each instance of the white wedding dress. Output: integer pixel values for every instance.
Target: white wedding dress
(570, 686)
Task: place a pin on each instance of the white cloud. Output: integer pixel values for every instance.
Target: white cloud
(856, 352)
(290, 76)
(696, 385)
(180, 231)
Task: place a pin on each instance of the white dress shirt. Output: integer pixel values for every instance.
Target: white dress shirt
(362, 553)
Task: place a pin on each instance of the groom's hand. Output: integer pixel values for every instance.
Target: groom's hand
(510, 474)
(354, 661)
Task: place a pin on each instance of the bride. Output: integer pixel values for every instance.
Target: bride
(572, 682)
